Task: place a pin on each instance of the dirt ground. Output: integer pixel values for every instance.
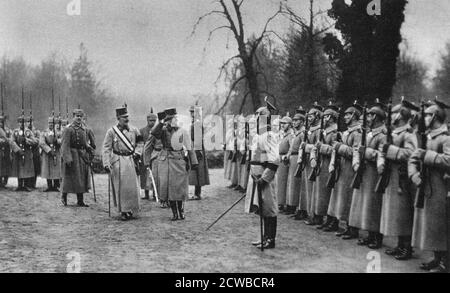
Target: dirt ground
(37, 234)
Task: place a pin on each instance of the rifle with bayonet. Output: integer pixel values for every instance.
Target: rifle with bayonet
(53, 131)
(302, 153)
(383, 181)
(59, 114)
(246, 135)
(357, 178)
(21, 138)
(420, 193)
(335, 158)
(316, 170)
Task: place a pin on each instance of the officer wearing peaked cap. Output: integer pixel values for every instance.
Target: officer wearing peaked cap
(200, 176)
(430, 231)
(341, 196)
(174, 162)
(5, 152)
(264, 164)
(145, 133)
(75, 159)
(365, 212)
(283, 168)
(120, 153)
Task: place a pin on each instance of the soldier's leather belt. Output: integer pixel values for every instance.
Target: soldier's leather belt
(123, 154)
(294, 154)
(158, 149)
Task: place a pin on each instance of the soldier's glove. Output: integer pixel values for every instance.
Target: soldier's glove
(136, 156)
(261, 183)
(107, 169)
(21, 153)
(416, 179)
(51, 153)
(419, 153)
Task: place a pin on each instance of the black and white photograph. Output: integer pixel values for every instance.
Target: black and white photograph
(224, 137)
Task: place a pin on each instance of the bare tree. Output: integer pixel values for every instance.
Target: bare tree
(230, 13)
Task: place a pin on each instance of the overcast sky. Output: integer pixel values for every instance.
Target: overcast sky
(142, 47)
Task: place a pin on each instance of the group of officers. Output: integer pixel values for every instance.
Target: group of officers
(147, 158)
(309, 167)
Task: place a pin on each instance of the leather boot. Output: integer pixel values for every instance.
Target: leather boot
(49, 185)
(353, 233)
(333, 226)
(405, 253)
(442, 268)
(301, 215)
(64, 199)
(396, 250)
(326, 223)
(198, 192)
(265, 231)
(80, 201)
(180, 209)
(146, 194)
(173, 206)
(434, 263)
(377, 242)
(56, 184)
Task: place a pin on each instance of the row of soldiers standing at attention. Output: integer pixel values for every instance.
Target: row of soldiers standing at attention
(365, 177)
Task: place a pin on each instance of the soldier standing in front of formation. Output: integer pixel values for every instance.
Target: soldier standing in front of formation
(174, 162)
(314, 118)
(5, 152)
(296, 187)
(283, 169)
(145, 133)
(22, 144)
(50, 143)
(75, 159)
(430, 220)
(398, 201)
(365, 212)
(341, 196)
(119, 155)
(264, 164)
(323, 150)
(36, 153)
(200, 176)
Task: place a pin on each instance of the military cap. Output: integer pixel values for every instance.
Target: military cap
(286, 119)
(78, 112)
(122, 112)
(300, 113)
(315, 108)
(170, 112)
(332, 109)
(355, 109)
(52, 119)
(152, 115)
(267, 109)
(379, 109)
(20, 119)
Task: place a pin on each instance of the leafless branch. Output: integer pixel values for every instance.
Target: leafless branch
(230, 92)
(201, 18)
(224, 66)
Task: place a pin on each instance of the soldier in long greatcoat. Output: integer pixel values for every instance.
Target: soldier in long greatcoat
(5, 152)
(23, 142)
(365, 211)
(283, 169)
(264, 164)
(398, 201)
(200, 176)
(314, 117)
(430, 222)
(119, 154)
(145, 133)
(341, 196)
(321, 191)
(50, 144)
(75, 159)
(174, 162)
(31, 183)
(296, 186)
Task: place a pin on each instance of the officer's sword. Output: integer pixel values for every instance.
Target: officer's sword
(154, 184)
(224, 213)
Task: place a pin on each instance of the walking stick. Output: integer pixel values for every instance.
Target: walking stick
(93, 183)
(113, 189)
(109, 196)
(154, 184)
